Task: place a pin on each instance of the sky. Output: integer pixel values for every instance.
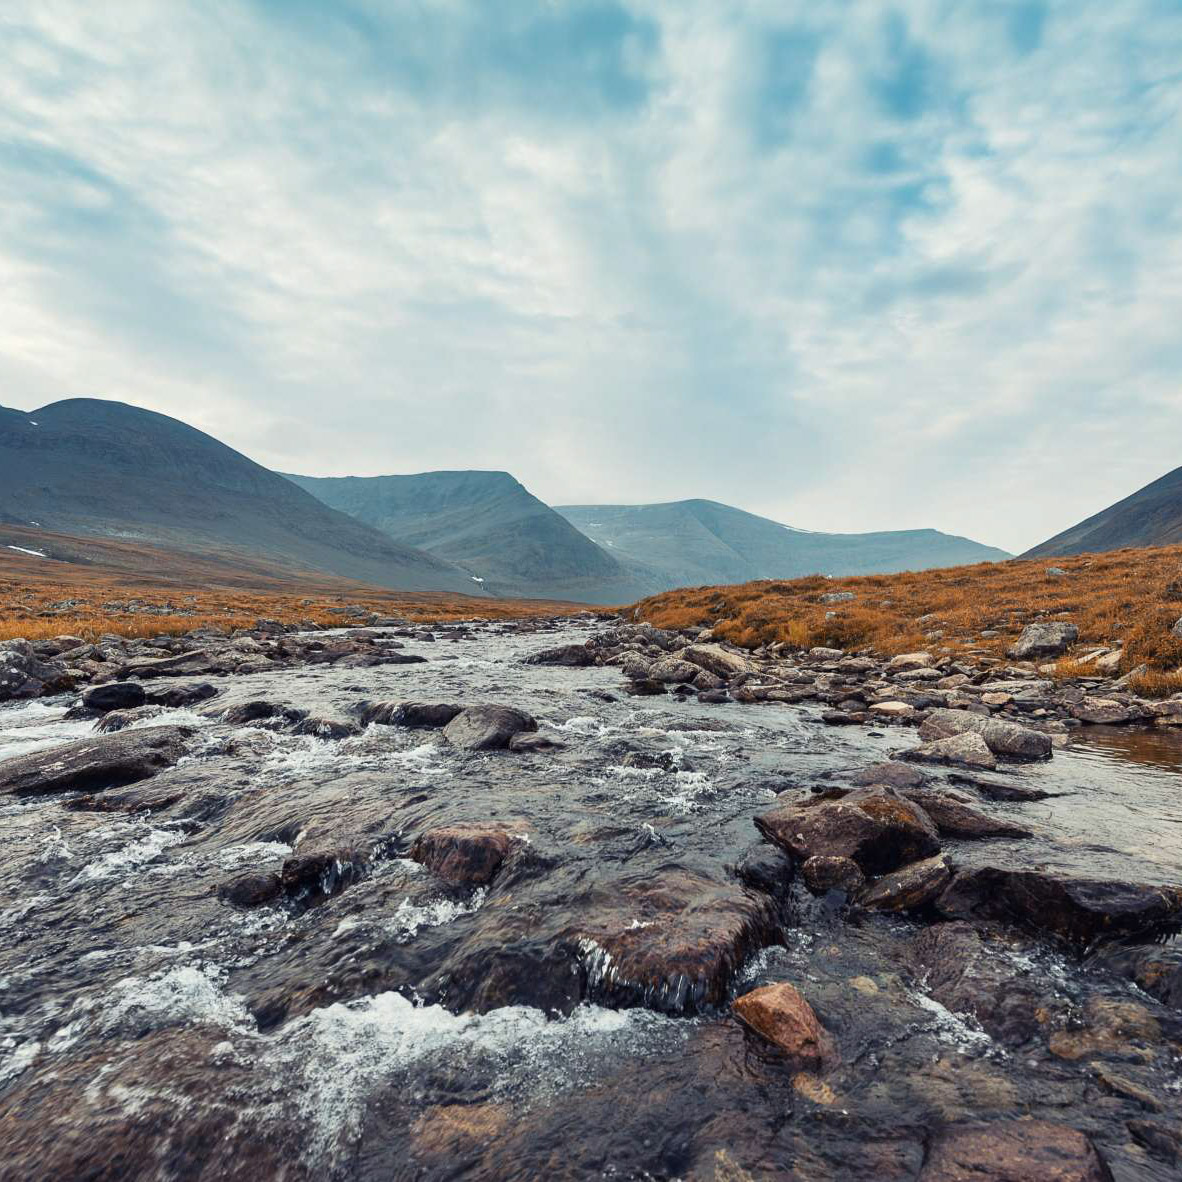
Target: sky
(851, 265)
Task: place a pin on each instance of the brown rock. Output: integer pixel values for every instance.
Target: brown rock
(779, 1014)
(823, 873)
(468, 855)
(1014, 1151)
(910, 887)
(953, 817)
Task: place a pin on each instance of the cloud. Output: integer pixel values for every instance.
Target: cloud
(853, 266)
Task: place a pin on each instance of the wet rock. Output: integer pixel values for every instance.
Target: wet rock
(178, 697)
(416, 715)
(571, 656)
(92, 765)
(889, 775)
(823, 873)
(992, 789)
(968, 974)
(645, 687)
(118, 720)
(23, 674)
(1047, 639)
(531, 743)
(893, 711)
(964, 750)
(194, 664)
(843, 718)
(1162, 1141)
(718, 660)
(955, 818)
(714, 697)
(115, 695)
(468, 855)
(1156, 969)
(779, 1014)
(1107, 712)
(764, 867)
(877, 829)
(1006, 739)
(251, 890)
(672, 671)
(324, 728)
(1013, 1151)
(909, 888)
(312, 874)
(487, 728)
(246, 713)
(1076, 909)
(1110, 1027)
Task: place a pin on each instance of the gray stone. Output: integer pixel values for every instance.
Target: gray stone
(1044, 639)
(487, 728)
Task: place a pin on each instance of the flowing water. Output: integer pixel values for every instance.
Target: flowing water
(404, 1028)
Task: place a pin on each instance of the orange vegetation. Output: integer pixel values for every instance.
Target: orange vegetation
(105, 587)
(1128, 596)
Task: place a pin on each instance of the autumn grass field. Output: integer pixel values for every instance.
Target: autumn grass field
(1127, 597)
(134, 590)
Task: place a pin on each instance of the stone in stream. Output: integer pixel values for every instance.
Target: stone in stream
(246, 713)
(531, 743)
(779, 1014)
(1013, 1151)
(571, 656)
(1044, 639)
(877, 829)
(955, 818)
(92, 765)
(889, 775)
(673, 671)
(718, 660)
(964, 750)
(25, 675)
(999, 789)
(826, 872)
(414, 715)
(324, 728)
(1107, 712)
(118, 720)
(765, 867)
(487, 728)
(251, 890)
(195, 664)
(467, 855)
(1076, 909)
(310, 874)
(114, 695)
(180, 696)
(645, 687)
(909, 888)
(1005, 739)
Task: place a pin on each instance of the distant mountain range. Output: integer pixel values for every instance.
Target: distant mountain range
(689, 543)
(101, 469)
(1152, 516)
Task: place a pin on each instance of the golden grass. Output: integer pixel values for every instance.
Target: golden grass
(109, 580)
(1127, 596)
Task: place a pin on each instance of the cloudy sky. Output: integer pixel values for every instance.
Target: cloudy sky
(852, 265)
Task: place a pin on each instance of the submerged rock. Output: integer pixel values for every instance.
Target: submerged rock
(877, 829)
(487, 728)
(416, 715)
(779, 1014)
(1014, 1151)
(955, 818)
(92, 765)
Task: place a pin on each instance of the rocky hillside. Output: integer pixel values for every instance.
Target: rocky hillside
(1152, 516)
(90, 467)
(490, 526)
(691, 543)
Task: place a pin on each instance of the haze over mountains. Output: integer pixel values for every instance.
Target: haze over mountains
(96, 468)
(1152, 516)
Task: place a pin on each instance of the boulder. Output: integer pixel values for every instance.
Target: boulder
(1005, 739)
(893, 711)
(118, 720)
(251, 890)
(1013, 1151)
(416, 715)
(487, 728)
(245, 713)
(1076, 909)
(766, 868)
(779, 1014)
(673, 671)
(114, 695)
(890, 775)
(955, 818)
(177, 697)
(324, 728)
(827, 872)
(92, 765)
(311, 874)
(717, 660)
(571, 656)
(964, 750)
(194, 664)
(532, 743)
(1106, 712)
(645, 687)
(905, 662)
(25, 675)
(908, 888)
(1044, 639)
(467, 855)
(875, 828)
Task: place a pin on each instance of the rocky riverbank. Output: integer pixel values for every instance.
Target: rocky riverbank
(575, 899)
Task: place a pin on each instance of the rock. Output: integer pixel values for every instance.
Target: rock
(530, 743)
(766, 868)
(890, 775)
(246, 713)
(1044, 639)
(416, 715)
(1076, 909)
(114, 695)
(779, 1014)
(92, 765)
(966, 750)
(194, 664)
(1164, 1142)
(1106, 711)
(955, 818)
(877, 829)
(714, 697)
(310, 874)
(838, 597)
(843, 718)
(909, 888)
(645, 687)
(672, 671)
(572, 656)
(487, 728)
(825, 872)
(824, 655)
(717, 660)
(178, 697)
(324, 728)
(468, 855)
(250, 890)
(905, 662)
(1126, 1029)
(23, 674)
(998, 789)
(118, 720)
(1006, 739)
(1013, 1151)
(893, 711)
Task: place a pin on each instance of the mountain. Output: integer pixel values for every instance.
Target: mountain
(490, 526)
(92, 467)
(693, 543)
(1152, 516)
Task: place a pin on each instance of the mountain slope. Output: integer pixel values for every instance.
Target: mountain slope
(489, 525)
(86, 466)
(1152, 516)
(692, 543)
